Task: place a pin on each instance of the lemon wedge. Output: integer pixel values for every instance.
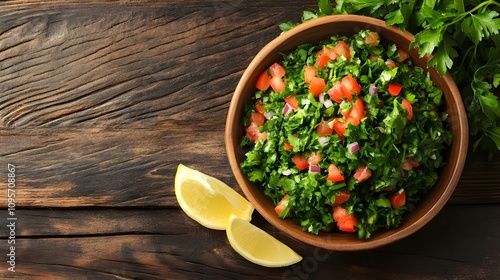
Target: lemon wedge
(258, 246)
(207, 200)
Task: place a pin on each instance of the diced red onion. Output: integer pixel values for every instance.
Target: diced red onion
(321, 98)
(323, 140)
(328, 103)
(287, 109)
(353, 147)
(269, 114)
(372, 89)
(287, 172)
(315, 169)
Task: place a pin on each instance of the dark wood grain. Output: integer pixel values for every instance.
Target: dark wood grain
(165, 244)
(99, 103)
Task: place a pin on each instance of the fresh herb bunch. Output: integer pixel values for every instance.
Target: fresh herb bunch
(293, 139)
(461, 35)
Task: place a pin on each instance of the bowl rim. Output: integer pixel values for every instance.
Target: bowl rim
(459, 147)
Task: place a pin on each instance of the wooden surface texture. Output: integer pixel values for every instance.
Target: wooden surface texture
(99, 103)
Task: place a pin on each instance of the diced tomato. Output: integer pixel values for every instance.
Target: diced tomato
(309, 73)
(334, 174)
(373, 57)
(282, 204)
(351, 85)
(387, 189)
(257, 118)
(277, 84)
(277, 70)
(342, 197)
(337, 92)
(324, 128)
(342, 49)
(330, 52)
(407, 105)
(322, 61)
(253, 132)
(259, 106)
(317, 85)
(402, 55)
(357, 110)
(348, 224)
(413, 163)
(292, 101)
(314, 158)
(287, 146)
(390, 63)
(372, 39)
(394, 89)
(300, 161)
(339, 212)
(409, 164)
(339, 127)
(263, 81)
(345, 222)
(398, 200)
(362, 174)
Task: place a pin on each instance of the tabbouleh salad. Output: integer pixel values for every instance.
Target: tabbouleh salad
(345, 135)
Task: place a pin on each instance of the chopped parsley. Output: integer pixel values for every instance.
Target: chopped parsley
(347, 134)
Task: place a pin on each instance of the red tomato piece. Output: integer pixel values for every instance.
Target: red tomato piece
(372, 38)
(287, 146)
(409, 164)
(357, 110)
(342, 49)
(390, 63)
(339, 127)
(263, 81)
(292, 101)
(314, 158)
(398, 200)
(407, 105)
(330, 52)
(253, 132)
(345, 222)
(277, 70)
(394, 89)
(339, 212)
(322, 61)
(277, 84)
(257, 118)
(334, 174)
(337, 92)
(259, 106)
(402, 55)
(351, 85)
(317, 85)
(348, 224)
(362, 174)
(324, 128)
(309, 73)
(342, 197)
(282, 204)
(300, 161)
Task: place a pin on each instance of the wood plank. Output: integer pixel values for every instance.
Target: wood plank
(144, 243)
(97, 100)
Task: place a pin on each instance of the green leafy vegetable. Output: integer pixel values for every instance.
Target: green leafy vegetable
(291, 154)
(461, 35)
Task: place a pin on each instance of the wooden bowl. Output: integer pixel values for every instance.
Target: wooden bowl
(312, 32)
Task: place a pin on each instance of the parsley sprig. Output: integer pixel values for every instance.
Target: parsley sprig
(461, 35)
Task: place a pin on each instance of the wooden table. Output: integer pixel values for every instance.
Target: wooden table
(99, 103)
